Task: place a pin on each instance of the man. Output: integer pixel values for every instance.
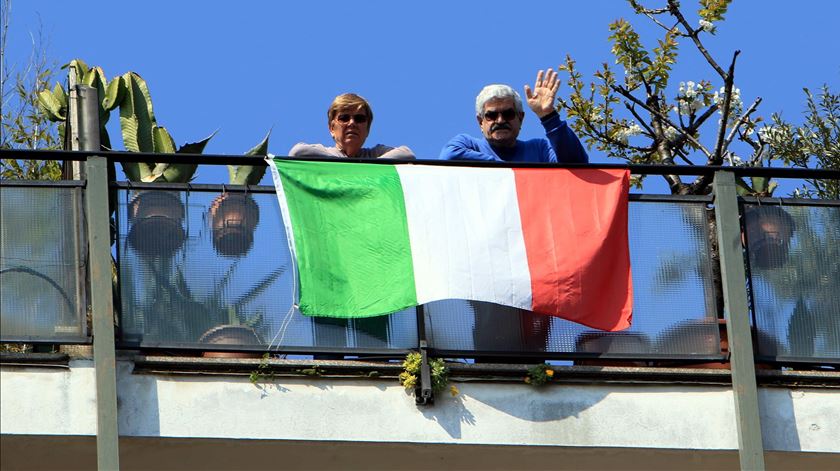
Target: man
(782, 320)
(498, 109)
(499, 112)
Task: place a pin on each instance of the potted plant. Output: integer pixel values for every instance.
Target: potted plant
(155, 217)
(211, 317)
(230, 335)
(234, 216)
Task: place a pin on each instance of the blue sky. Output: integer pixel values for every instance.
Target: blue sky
(246, 67)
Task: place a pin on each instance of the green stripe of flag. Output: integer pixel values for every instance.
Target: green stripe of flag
(351, 237)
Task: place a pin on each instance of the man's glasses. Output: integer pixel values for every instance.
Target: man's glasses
(358, 118)
(507, 115)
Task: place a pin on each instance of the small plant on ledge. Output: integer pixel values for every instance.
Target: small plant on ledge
(539, 375)
(410, 378)
(263, 371)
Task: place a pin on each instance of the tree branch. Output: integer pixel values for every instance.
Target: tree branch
(650, 14)
(682, 156)
(662, 117)
(740, 122)
(727, 105)
(674, 9)
(703, 117)
(639, 118)
(604, 137)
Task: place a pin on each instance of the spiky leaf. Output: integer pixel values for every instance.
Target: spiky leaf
(196, 147)
(250, 174)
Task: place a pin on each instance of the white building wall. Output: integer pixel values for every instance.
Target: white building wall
(43, 401)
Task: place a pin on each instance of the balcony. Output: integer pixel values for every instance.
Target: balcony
(200, 281)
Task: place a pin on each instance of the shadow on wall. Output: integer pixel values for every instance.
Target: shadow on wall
(137, 403)
(778, 419)
(532, 405)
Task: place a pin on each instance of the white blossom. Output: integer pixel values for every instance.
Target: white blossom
(707, 26)
(689, 98)
(734, 160)
(670, 133)
(771, 133)
(736, 96)
(735, 103)
(629, 130)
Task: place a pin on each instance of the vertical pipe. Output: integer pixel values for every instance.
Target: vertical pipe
(87, 121)
(736, 312)
(101, 296)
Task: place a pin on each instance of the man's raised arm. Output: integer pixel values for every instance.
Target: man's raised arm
(565, 145)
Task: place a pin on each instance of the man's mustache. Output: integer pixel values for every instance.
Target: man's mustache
(497, 126)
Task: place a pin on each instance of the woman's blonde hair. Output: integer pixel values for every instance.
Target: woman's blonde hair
(349, 101)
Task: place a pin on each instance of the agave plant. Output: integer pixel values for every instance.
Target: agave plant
(155, 217)
(140, 131)
(54, 103)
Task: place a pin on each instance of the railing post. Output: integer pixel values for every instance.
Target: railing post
(101, 295)
(424, 395)
(736, 312)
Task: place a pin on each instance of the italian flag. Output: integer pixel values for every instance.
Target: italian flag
(370, 239)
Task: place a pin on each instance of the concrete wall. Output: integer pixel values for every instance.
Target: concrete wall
(54, 401)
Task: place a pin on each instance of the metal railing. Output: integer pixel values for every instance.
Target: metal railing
(195, 273)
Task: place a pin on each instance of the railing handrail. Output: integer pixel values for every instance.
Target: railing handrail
(227, 159)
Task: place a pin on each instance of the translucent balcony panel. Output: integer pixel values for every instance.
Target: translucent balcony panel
(673, 309)
(794, 260)
(42, 270)
(204, 267)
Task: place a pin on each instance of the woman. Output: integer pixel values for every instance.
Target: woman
(349, 118)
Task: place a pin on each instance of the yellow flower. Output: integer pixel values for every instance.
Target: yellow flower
(549, 373)
(528, 379)
(453, 390)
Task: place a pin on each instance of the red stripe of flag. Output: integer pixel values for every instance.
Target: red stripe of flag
(575, 227)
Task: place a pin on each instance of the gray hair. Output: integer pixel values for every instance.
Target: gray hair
(496, 92)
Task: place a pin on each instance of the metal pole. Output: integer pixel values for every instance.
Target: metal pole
(423, 394)
(736, 312)
(101, 299)
(87, 121)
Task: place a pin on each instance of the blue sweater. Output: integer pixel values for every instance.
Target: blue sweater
(563, 143)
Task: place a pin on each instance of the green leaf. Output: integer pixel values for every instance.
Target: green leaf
(141, 85)
(168, 172)
(136, 116)
(96, 79)
(60, 95)
(80, 66)
(196, 147)
(164, 144)
(156, 174)
(713, 10)
(51, 106)
(250, 174)
(128, 125)
(114, 93)
(136, 171)
(742, 188)
(179, 173)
